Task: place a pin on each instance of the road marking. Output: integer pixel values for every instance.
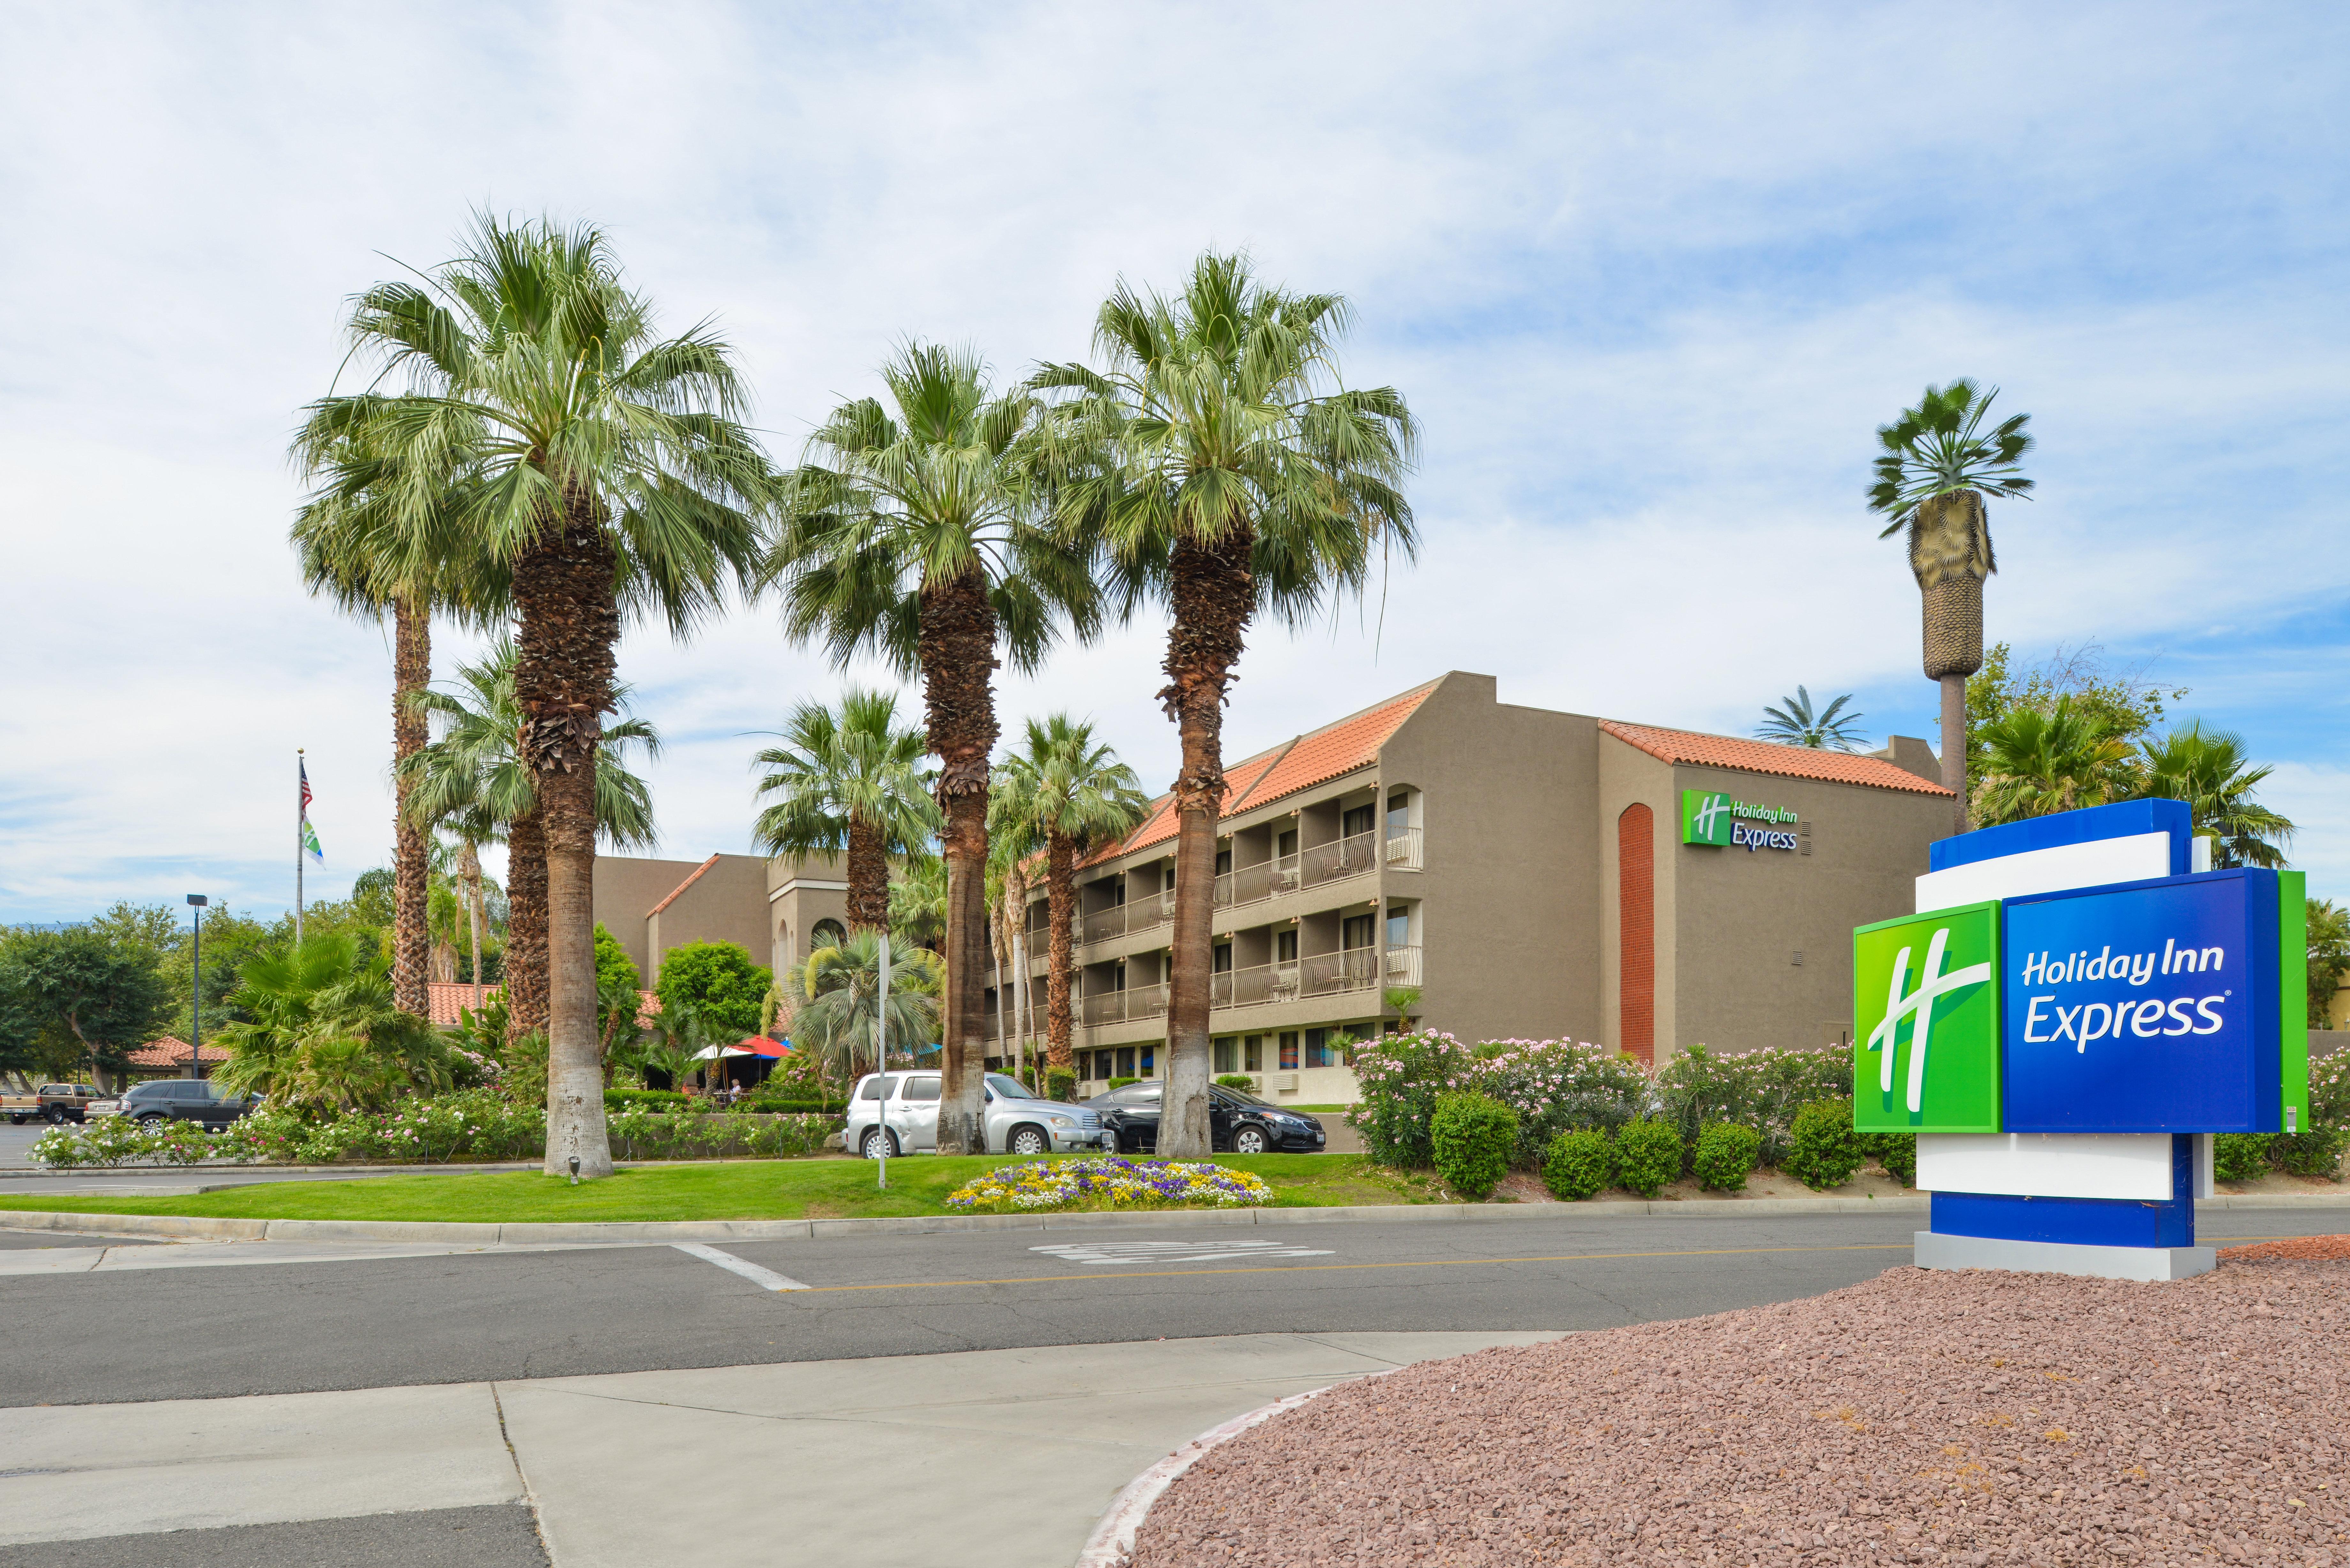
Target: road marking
(765, 1279)
(1097, 1254)
(1336, 1268)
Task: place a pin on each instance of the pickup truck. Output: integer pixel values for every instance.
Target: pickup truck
(54, 1102)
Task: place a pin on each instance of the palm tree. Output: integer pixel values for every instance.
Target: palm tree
(918, 901)
(1226, 473)
(839, 988)
(2211, 771)
(611, 473)
(353, 553)
(1936, 466)
(911, 532)
(2037, 763)
(473, 782)
(850, 781)
(1010, 843)
(317, 1031)
(1074, 793)
(1829, 730)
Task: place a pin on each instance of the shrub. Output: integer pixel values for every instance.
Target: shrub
(2318, 1152)
(1822, 1150)
(1473, 1136)
(2240, 1157)
(2329, 1091)
(1897, 1152)
(1061, 1084)
(620, 1099)
(1726, 1154)
(1647, 1156)
(720, 980)
(1759, 1089)
(1122, 1083)
(1578, 1164)
(1237, 1081)
(1553, 1085)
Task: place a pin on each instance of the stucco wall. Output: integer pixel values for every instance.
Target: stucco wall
(625, 889)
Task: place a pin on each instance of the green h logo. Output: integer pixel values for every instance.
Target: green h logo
(1926, 1034)
(1706, 817)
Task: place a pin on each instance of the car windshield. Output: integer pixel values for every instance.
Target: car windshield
(1010, 1087)
(1242, 1096)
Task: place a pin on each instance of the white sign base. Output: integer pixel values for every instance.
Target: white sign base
(1934, 1250)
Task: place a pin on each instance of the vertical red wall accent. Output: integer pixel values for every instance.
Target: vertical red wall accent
(1635, 915)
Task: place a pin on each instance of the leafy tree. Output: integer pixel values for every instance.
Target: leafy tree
(611, 473)
(2329, 957)
(321, 1033)
(2036, 763)
(1830, 730)
(918, 901)
(80, 995)
(1069, 790)
(619, 997)
(2123, 701)
(717, 980)
(1936, 466)
(2209, 771)
(849, 781)
(837, 996)
(1226, 474)
(372, 900)
(912, 532)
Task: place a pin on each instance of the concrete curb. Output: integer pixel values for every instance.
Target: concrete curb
(193, 1227)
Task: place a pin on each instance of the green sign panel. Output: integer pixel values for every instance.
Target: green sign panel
(1925, 1026)
(1710, 816)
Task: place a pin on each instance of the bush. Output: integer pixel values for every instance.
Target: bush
(1238, 1081)
(620, 1099)
(720, 980)
(1647, 1156)
(1061, 1084)
(1823, 1150)
(1758, 1089)
(1473, 1136)
(1122, 1083)
(2329, 1091)
(1578, 1164)
(2240, 1157)
(1726, 1155)
(1897, 1152)
(2318, 1152)
(1553, 1085)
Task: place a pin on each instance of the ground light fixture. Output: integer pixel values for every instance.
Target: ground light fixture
(575, 1170)
(196, 902)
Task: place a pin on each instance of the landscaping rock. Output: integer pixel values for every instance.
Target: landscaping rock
(1922, 1416)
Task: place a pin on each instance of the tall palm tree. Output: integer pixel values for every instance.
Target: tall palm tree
(609, 471)
(912, 532)
(1936, 466)
(1828, 729)
(850, 781)
(837, 994)
(1226, 473)
(2038, 762)
(1074, 794)
(473, 782)
(353, 552)
(1010, 843)
(2210, 770)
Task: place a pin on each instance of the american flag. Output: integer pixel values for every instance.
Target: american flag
(304, 769)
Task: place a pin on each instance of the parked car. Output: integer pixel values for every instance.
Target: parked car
(51, 1103)
(1238, 1122)
(184, 1099)
(1019, 1120)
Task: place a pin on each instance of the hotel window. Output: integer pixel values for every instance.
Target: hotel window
(1289, 1051)
(1221, 957)
(1285, 845)
(1399, 927)
(1359, 820)
(1223, 862)
(1085, 1067)
(1355, 931)
(1228, 1054)
(1252, 1054)
(1284, 946)
(1149, 1058)
(1125, 1063)
(1317, 1048)
(1167, 878)
(1398, 814)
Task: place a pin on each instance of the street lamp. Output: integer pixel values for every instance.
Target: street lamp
(196, 902)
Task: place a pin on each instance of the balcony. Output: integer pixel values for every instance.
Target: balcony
(1124, 920)
(1322, 974)
(1124, 1006)
(1403, 850)
(1330, 862)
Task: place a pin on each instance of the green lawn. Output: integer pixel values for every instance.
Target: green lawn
(735, 1189)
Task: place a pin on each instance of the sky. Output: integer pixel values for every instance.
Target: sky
(1649, 278)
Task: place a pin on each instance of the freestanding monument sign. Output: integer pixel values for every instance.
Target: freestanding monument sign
(2079, 1006)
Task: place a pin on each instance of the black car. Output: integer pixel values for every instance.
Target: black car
(187, 1100)
(1238, 1122)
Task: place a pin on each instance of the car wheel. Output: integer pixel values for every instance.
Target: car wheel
(1249, 1140)
(55, 1116)
(150, 1119)
(16, 1121)
(1029, 1140)
(871, 1149)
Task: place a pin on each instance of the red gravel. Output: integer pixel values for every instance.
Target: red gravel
(1922, 1416)
(2319, 1247)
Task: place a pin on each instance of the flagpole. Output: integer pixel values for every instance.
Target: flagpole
(299, 813)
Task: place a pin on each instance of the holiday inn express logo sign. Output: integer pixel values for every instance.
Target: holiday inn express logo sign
(1926, 1023)
(1710, 816)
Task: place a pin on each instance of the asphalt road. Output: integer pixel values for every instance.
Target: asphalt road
(296, 1327)
(495, 1537)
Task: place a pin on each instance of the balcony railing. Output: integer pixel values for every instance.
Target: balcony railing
(1403, 850)
(1126, 1006)
(1331, 862)
(1321, 974)
(1123, 919)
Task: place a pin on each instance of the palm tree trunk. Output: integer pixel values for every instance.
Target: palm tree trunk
(868, 877)
(562, 680)
(1002, 1001)
(1060, 945)
(469, 876)
(958, 661)
(411, 671)
(1954, 746)
(525, 966)
(1213, 596)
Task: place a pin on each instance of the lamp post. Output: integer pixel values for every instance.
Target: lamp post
(196, 902)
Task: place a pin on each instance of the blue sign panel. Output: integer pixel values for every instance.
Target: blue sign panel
(2143, 1007)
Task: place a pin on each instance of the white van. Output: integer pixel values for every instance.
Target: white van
(1019, 1121)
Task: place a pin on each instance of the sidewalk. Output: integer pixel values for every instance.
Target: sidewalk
(998, 1459)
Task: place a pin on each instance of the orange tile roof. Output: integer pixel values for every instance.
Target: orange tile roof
(1297, 764)
(1767, 757)
(170, 1052)
(681, 887)
(443, 998)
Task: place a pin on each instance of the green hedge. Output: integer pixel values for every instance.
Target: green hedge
(1647, 1156)
(1061, 1084)
(1726, 1155)
(1473, 1136)
(1238, 1081)
(1578, 1164)
(1823, 1151)
(620, 1099)
(1897, 1152)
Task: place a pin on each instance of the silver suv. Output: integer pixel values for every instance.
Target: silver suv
(1019, 1121)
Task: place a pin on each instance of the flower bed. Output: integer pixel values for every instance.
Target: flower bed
(1106, 1183)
